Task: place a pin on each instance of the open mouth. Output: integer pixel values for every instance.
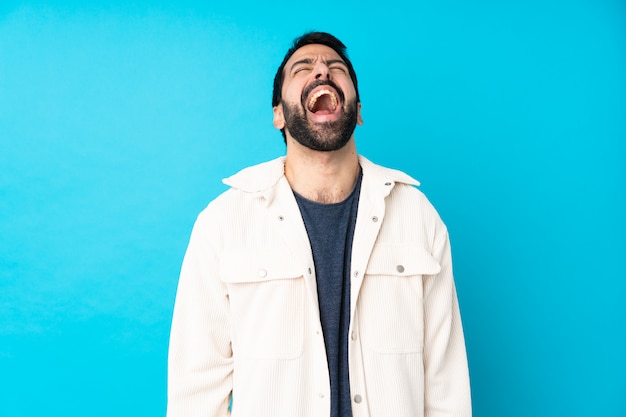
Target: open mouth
(323, 101)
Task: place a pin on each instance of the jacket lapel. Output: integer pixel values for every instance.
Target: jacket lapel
(370, 217)
(284, 211)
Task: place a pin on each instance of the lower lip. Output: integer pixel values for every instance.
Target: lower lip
(325, 116)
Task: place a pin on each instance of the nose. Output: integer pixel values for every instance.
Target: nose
(321, 71)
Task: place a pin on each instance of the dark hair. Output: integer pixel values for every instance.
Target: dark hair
(312, 38)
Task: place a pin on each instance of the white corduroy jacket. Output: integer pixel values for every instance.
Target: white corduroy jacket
(246, 317)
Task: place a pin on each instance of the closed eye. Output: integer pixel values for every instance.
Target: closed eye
(301, 69)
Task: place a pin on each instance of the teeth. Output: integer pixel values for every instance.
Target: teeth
(318, 94)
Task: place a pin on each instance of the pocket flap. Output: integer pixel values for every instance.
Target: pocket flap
(257, 265)
(401, 260)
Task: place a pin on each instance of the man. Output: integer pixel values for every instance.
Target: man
(320, 284)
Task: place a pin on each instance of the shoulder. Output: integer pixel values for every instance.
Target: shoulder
(409, 214)
(247, 184)
(401, 187)
(258, 177)
(384, 174)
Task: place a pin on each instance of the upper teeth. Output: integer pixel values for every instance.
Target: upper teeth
(318, 94)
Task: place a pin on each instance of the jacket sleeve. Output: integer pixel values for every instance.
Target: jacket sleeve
(447, 388)
(200, 364)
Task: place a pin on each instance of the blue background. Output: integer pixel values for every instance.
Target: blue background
(118, 119)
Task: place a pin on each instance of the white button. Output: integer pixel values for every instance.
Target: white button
(281, 218)
(357, 398)
(310, 271)
(321, 394)
(262, 273)
(374, 219)
(400, 268)
(387, 184)
(356, 274)
(353, 336)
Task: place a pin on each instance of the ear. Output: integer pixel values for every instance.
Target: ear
(359, 119)
(279, 119)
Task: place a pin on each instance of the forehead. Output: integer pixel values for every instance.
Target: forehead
(312, 52)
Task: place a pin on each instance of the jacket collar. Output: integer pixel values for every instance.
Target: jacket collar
(262, 177)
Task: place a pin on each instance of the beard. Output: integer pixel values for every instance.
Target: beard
(324, 137)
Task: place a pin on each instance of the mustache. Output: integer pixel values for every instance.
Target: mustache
(317, 83)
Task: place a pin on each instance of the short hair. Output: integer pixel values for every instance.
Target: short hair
(312, 38)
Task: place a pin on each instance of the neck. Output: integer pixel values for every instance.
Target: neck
(324, 177)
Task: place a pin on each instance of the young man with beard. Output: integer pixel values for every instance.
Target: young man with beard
(320, 284)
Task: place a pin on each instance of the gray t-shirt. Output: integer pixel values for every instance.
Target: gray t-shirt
(330, 228)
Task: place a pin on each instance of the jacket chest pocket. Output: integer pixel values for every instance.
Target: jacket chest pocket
(391, 309)
(267, 300)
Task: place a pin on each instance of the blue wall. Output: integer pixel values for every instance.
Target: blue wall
(118, 119)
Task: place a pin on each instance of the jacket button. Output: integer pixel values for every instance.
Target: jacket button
(357, 398)
(400, 268)
(262, 273)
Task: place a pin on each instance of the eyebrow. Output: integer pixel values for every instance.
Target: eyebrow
(310, 61)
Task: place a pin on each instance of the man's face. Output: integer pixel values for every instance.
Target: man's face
(319, 108)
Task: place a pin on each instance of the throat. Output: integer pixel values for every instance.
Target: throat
(323, 177)
(329, 196)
